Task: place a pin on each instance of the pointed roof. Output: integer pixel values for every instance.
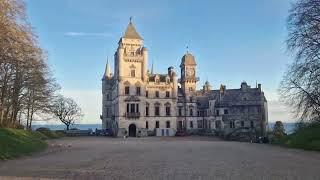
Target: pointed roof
(131, 32)
(107, 72)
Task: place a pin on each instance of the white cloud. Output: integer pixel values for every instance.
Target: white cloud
(77, 34)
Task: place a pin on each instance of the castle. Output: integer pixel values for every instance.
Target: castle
(139, 102)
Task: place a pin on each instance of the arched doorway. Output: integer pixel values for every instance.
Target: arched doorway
(132, 130)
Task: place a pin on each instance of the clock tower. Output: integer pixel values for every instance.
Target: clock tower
(188, 79)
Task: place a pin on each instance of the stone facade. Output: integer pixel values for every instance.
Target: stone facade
(139, 102)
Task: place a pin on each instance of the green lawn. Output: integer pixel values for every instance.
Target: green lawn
(17, 142)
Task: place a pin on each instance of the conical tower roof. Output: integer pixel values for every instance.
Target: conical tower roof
(131, 32)
(107, 73)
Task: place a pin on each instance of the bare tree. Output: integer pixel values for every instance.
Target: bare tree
(66, 110)
(26, 85)
(300, 87)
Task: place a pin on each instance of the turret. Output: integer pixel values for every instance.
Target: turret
(120, 53)
(207, 87)
(145, 63)
(107, 73)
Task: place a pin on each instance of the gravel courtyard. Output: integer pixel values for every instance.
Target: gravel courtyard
(163, 158)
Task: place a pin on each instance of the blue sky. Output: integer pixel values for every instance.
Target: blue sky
(232, 40)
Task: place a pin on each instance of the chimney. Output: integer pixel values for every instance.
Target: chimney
(259, 87)
(222, 89)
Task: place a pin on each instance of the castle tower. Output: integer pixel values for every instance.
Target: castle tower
(131, 58)
(188, 74)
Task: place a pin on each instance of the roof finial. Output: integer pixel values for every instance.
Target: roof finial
(187, 49)
(130, 19)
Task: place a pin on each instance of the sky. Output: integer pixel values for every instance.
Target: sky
(232, 41)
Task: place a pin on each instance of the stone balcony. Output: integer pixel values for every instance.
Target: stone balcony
(133, 114)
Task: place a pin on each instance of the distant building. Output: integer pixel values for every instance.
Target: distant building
(137, 101)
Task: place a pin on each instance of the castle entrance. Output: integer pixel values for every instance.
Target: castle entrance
(132, 130)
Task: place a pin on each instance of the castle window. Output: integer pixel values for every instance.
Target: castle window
(168, 113)
(218, 124)
(217, 112)
(127, 90)
(167, 94)
(147, 93)
(132, 108)
(157, 111)
(157, 124)
(108, 96)
(251, 124)
(180, 111)
(191, 112)
(190, 89)
(147, 110)
(168, 124)
(133, 73)
(138, 91)
(128, 107)
(137, 108)
(147, 125)
(107, 112)
(231, 124)
(157, 94)
(242, 123)
(226, 111)
(199, 122)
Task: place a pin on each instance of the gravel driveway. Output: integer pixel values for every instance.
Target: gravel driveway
(163, 158)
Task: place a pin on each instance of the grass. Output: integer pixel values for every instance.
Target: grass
(17, 142)
(307, 138)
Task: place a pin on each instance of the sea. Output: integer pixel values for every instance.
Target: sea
(289, 127)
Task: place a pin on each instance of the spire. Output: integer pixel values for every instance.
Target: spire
(131, 32)
(108, 69)
(152, 67)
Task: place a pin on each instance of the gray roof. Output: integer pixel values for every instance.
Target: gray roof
(250, 96)
(131, 32)
(188, 59)
(162, 77)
